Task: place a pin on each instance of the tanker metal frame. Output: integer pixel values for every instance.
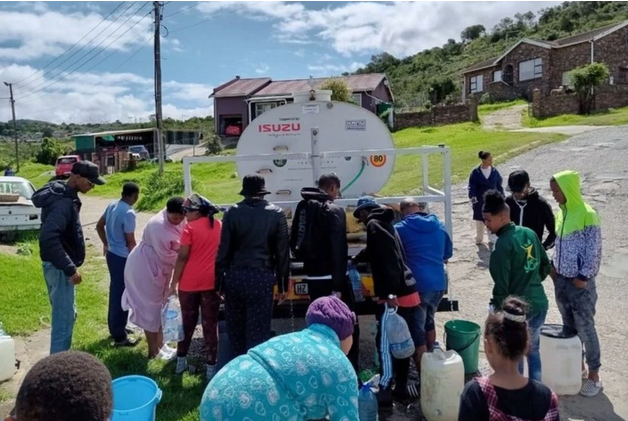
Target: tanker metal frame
(298, 298)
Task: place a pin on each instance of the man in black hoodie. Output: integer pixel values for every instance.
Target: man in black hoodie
(396, 289)
(62, 246)
(529, 209)
(325, 262)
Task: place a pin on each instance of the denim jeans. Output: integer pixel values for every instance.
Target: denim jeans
(577, 308)
(62, 297)
(535, 321)
(117, 318)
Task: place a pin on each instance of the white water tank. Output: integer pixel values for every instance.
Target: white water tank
(442, 382)
(317, 126)
(7, 357)
(561, 359)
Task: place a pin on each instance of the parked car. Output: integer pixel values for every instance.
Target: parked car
(141, 151)
(64, 164)
(17, 212)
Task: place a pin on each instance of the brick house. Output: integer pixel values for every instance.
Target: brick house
(535, 64)
(239, 101)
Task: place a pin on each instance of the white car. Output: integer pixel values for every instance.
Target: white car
(17, 212)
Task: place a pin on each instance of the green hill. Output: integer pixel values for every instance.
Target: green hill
(432, 76)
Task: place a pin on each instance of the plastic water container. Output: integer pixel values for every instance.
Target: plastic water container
(356, 283)
(367, 400)
(561, 359)
(7, 356)
(135, 398)
(442, 382)
(172, 320)
(399, 338)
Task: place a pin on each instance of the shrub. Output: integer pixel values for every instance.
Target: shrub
(339, 89)
(50, 150)
(214, 145)
(486, 99)
(160, 188)
(584, 80)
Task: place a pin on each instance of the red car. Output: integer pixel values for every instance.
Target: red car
(63, 168)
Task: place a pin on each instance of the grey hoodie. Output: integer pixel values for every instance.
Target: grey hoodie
(61, 239)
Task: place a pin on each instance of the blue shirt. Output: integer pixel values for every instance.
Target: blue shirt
(120, 220)
(427, 246)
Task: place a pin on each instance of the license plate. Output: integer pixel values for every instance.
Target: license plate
(300, 288)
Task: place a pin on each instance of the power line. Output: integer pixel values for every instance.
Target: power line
(181, 10)
(93, 57)
(133, 55)
(80, 49)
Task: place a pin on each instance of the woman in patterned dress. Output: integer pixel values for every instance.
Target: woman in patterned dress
(507, 395)
(295, 377)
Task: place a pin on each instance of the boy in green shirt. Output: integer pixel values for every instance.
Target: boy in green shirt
(518, 266)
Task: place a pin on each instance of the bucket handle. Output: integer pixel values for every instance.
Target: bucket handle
(159, 395)
(464, 348)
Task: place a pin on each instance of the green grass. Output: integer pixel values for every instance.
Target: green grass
(612, 117)
(464, 140)
(38, 174)
(491, 108)
(24, 308)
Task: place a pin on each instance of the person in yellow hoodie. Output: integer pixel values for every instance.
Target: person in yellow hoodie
(576, 264)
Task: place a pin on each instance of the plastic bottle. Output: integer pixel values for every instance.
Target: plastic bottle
(356, 282)
(367, 401)
(7, 356)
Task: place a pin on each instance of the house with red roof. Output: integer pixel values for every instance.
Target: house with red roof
(240, 101)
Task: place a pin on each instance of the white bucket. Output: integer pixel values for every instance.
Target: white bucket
(7, 358)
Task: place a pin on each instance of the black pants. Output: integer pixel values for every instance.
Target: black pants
(323, 288)
(401, 368)
(248, 308)
(117, 318)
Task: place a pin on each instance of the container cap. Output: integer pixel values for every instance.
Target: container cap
(558, 331)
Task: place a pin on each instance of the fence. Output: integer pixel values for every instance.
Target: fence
(607, 96)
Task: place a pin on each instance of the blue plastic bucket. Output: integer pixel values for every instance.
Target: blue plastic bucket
(135, 398)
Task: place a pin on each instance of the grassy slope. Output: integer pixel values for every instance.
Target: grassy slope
(612, 117)
(485, 109)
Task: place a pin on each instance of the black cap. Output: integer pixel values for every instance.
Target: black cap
(253, 185)
(89, 170)
(517, 181)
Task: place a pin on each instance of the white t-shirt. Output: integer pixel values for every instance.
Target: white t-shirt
(486, 171)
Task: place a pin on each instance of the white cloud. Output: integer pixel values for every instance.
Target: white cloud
(98, 97)
(401, 28)
(39, 32)
(334, 69)
(262, 69)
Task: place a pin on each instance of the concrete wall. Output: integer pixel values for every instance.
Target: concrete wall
(439, 115)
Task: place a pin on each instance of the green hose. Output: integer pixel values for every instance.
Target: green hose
(356, 177)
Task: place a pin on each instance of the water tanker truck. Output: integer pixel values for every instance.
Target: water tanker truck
(292, 145)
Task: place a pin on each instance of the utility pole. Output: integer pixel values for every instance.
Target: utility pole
(158, 115)
(17, 153)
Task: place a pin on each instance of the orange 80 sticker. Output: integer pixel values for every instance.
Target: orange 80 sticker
(378, 160)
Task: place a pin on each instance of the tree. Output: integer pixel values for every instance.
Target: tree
(584, 80)
(339, 89)
(50, 150)
(47, 132)
(472, 32)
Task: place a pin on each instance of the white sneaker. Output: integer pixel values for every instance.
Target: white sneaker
(166, 356)
(182, 365)
(591, 388)
(211, 371)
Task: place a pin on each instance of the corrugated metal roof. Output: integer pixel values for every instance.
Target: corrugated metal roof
(242, 87)
(115, 132)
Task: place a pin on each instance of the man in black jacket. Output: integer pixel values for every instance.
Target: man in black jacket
(62, 246)
(396, 289)
(252, 257)
(325, 264)
(529, 209)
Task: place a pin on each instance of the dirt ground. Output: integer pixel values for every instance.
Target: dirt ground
(600, 156)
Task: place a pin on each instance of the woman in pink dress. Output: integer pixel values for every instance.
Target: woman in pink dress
(148, 272)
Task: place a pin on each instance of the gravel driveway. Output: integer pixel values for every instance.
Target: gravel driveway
(601, 157)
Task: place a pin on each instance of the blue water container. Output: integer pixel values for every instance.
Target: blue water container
(356, 282)
(367, 403)
(135, 398)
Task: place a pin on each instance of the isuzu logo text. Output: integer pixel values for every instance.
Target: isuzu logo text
(284, 127)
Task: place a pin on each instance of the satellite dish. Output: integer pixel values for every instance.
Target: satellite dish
(339, 126)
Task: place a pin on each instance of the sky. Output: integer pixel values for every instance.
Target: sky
(93, 62)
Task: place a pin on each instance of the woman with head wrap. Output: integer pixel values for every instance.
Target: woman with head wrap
(299, 376)
(194, 277)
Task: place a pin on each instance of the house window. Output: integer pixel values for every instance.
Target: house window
(497, 76)
(476, 83)
(262, 107)
(622, 76)
(357, 98)
(565, 79)
(531, 69)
